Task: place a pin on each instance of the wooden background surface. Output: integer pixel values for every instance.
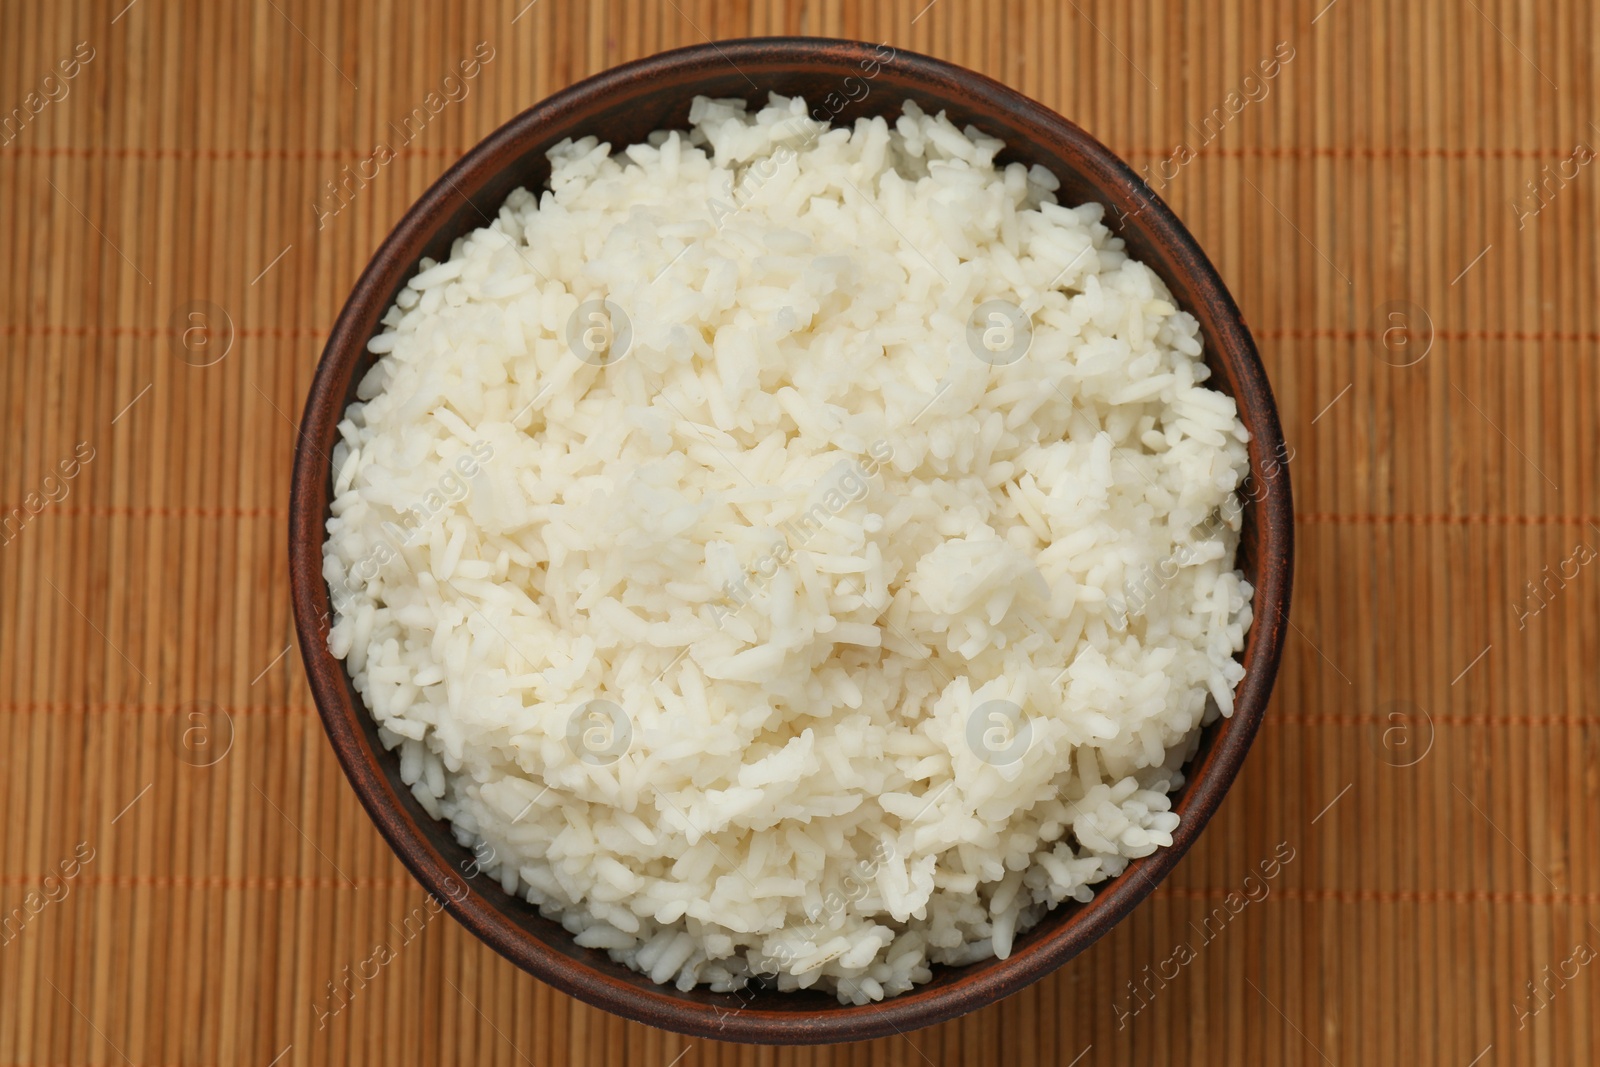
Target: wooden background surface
(1430, 756)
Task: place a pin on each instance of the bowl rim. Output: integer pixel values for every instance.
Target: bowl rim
(1208, 779)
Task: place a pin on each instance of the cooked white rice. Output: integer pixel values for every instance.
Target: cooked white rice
(810, 623)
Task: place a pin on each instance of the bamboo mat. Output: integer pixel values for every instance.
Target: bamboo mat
(192, 867)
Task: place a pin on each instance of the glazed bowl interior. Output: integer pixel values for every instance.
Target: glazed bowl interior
(624, 106)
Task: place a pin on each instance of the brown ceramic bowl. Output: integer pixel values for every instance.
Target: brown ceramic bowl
(623, 106)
